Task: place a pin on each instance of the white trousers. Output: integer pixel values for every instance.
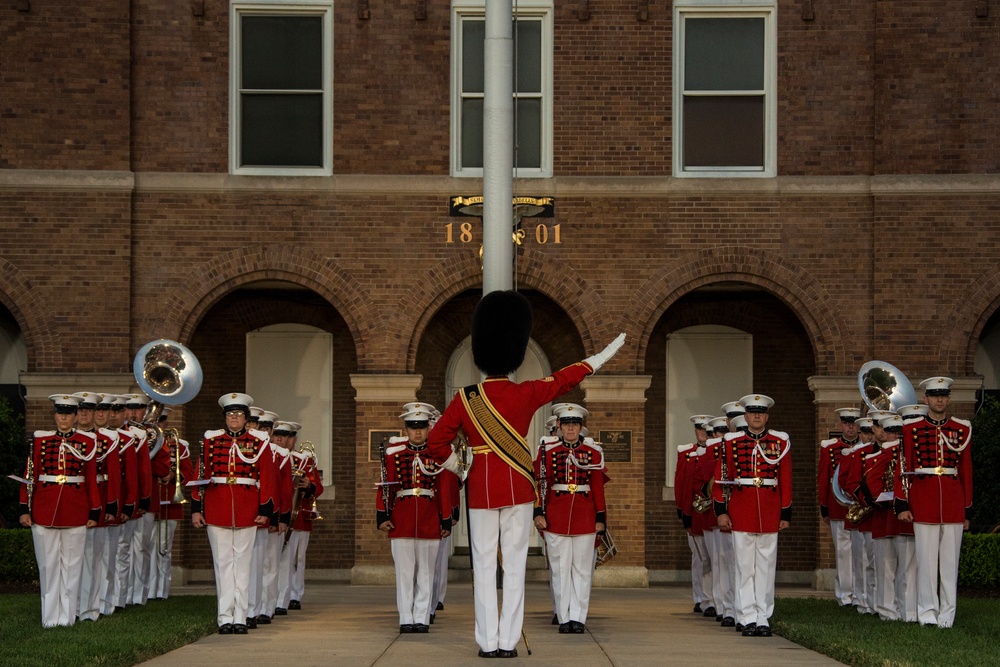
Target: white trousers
(59, 552)
(292, 568)
(269, 578)
(843, 582)
(110, 571)
(938, 546)
(906, 577)
(711, 579)
(414, 561)
(142, 548)
(756, 558)
(699, 557)
(93, 573)
(510, 527)
(441, 573)
(721, 548)
(255, 588)
(123, 563)
(571, 559)
(885, 579)
(163, 539)
(863, 562)
(232, 549)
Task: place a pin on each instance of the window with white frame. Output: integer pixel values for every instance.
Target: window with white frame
(281, 87)
(532, 71)
(725, 109)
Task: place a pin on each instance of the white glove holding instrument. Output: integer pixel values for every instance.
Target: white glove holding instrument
(602, 357)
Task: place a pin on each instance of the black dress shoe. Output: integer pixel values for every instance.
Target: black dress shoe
(240, 629)
(565, 628)
(440, 606)
(750, 630)
(294, 604)
(421, 628)
(555, 619)
(226, 629)
(406, 629)
(264, 619)
(432, 619)
(739, 627)
(281, 611)
(763, 631)
(718, 618)
(495, 653)
(119, 608)
(709, 611)
(252, 623)
(505, 653)
(728, 622)
(577, 628)
(697, 607)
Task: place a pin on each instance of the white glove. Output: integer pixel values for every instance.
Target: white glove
(452, 464)
(602, 357)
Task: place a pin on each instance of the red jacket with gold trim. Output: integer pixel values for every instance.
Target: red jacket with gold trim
(937, 461)
(852, 469)
(831, 453)
(240, 479)
(568, 508)
(164, 466)
(306, 465)
(108, 473)
(64, 479)
(759, 469)
(419, 493)
(128, 466)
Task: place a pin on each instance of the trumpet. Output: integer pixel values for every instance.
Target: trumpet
(162, 525)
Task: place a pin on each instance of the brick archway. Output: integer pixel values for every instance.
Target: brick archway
(806, 297)
(444, 282)
(212, 280)
(42, 341)
(973, 309)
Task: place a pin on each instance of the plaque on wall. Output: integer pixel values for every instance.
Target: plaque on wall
(617, 446)
(378, 437)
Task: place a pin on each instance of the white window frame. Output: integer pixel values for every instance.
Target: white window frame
(542, 9)
(237, 9)
(766, 9)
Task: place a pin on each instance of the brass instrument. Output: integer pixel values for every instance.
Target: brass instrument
(168, 373)
(299, 473)
(162, 527)
(701, 503)
(606, 549)
(30, 477)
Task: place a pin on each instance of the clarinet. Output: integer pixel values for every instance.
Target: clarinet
(543, 482)
(30, 475)
(385, 485)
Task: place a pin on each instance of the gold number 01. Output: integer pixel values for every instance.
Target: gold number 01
(542, 234)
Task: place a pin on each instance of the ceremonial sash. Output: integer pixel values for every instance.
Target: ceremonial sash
(502, 438)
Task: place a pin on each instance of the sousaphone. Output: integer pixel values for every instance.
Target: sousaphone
(168, 373)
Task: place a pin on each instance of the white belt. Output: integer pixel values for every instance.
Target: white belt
(245, 481)
(940, 470)
(415, 492)
(62, 479)
(756, 481)
(572, 488)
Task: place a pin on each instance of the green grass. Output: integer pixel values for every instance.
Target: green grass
(122, 639)
(845, 635)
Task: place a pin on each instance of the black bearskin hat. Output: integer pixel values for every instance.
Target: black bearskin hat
(501, 326)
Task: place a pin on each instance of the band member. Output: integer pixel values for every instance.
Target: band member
(883, 519)
(59, 502)
(234, 494)
(281, 447)
(416, 517)
(686, 487)
(97, 553)
(571, 474)
(142, 536)
(129, 466)
(174, 456)
(756, 466)
(904, 541)
(833, 513)
(440, 587)
(500, 488)
(937, 463)
(308, 484)
(122, 485)
(260, 560)
(721, 547)
(862, 546)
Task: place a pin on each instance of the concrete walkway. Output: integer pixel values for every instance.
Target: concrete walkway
(358, 625)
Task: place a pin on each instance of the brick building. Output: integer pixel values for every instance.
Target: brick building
(785, 187)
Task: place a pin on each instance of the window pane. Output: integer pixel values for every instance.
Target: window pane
(528, 43)
(529, 133)
(472, 133)
(282, 52)
(282, 130)
(724, 131)
(473, 38)
(724, 54)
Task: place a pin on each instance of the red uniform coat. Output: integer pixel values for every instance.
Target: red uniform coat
(283, 468)
(852, 468)
(707, 458)
(228, 458)
(831, 452)
(929, 444)
(128, 466)
(306, 465)
(755, 509)
(67, 504)
(145, 467)
(492, 483)
(108, 473)
(582, 463)
(164, 466)
(682, 483)
(421, 516)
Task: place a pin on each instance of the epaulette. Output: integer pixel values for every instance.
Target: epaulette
(963, 422)
(280, 450)
(548, 439)
(779, 434)
(90, 436)
(44, 434)
(590, 442)
(183, 442)
(684, 448)
(913, 419)
(111, 433)
(214, 434)
(712, 442)
(733, 435)
(395, 449)
(398, 439)
(828, 443)
(257, 433)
